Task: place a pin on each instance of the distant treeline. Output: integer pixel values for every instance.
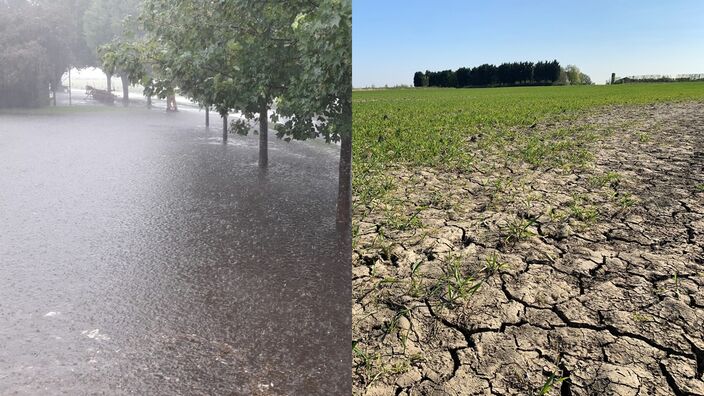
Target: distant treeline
(660, 78)
(505, 75)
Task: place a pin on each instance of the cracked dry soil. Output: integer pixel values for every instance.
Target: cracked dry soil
(595, 273)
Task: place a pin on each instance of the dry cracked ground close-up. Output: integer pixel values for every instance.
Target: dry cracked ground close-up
(519, 279)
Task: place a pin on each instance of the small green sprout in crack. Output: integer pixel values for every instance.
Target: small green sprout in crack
(641, 318)
(396, 219)
(627, 200)
(552, 381)
(389, 281)
(355, 235)
(699, 188)
(493, 265)
(371, 367)
(455, 286)
(527, 200)
(439, 200)
(611, 179)
(555, 215)
(676, 279)
(382, 245)
(416, 285)
(518, 229)
(393, 325)
(367, 365)
(582, 212)
(643, 137)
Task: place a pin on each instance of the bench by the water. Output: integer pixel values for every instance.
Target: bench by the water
(100, 95)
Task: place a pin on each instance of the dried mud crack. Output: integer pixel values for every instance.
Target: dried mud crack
(509, 278)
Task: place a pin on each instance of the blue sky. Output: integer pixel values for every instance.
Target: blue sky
(391, 39)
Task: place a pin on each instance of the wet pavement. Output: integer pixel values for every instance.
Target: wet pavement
(140, 255)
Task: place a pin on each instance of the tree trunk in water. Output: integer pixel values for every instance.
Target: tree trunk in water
(207, 116)
(125, 89)
(109, 82)
(224, 128)
(69, 86)
(149, 101)
(263, 136)
(344, 197)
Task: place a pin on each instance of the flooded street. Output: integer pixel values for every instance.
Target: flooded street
(138, 254)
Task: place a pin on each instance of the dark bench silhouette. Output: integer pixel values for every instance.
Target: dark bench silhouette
(100, 95)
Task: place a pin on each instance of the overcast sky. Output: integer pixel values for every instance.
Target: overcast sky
(392, 39)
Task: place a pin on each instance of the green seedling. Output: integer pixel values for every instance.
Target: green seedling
(550, 383)
(643, 137)
(584, 213)
(609, 179)
(493, 265)
(627, 200)
(676, 278)
(455, 286)
(518, 230)
(638, 317)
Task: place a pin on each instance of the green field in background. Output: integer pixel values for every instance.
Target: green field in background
(444, 127)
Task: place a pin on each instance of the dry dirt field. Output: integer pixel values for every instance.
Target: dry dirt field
(511, 280)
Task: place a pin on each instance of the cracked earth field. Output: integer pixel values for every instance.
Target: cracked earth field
(507, 279)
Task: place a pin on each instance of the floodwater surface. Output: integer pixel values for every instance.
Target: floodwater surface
(139, 254)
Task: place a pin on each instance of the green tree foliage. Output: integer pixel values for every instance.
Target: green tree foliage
(106, 22)
(573, 75)
(236, 55)
(318, 101)
(418, 79)
(39, 40)
(486, 75)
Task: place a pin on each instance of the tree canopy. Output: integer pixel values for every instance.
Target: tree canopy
(504, 75)
(39, 40)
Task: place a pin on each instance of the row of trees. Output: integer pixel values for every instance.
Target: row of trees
(506, 74)
(246, 56)
(659, 78)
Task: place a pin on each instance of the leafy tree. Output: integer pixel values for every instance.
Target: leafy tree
(418, 79)
(462, 77)
(322, 91)
(39, 40)
(234, 54)
(573, 75)
(586, 80)
(105, 21)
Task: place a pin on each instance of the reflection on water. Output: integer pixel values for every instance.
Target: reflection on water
(136, 258)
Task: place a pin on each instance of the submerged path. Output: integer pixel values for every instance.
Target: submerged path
(138, 254)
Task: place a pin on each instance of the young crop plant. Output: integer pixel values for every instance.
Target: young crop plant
(582, 212)
(627, 200)
(455, 286)
(552, 381)
(396, 219)
(493, 265)
(643, 137)
(610, 179)
(518, 229)
(416, 284)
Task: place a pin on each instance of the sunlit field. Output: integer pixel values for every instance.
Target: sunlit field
(491, 222)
